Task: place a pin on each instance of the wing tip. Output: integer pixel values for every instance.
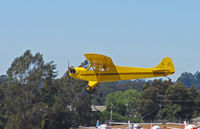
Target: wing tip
(93, 54)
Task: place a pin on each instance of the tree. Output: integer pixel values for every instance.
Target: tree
(103, 89)
(148, 105)
(27, 74)
(182, 97)
(124, 103)
(116, 99)
(196, 112)
(170, 113)
(131, 99)
(3, 78)
(3, 110)
(31, 69)
(151, 98)
(146, 85)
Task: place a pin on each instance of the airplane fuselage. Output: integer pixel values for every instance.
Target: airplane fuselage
(117, 74)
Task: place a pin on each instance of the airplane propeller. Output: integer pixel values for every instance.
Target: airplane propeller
(68, 66)
(70, 70)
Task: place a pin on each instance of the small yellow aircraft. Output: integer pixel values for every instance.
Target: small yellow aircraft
(102, 69)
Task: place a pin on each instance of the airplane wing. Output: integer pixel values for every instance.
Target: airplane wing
(100, 62)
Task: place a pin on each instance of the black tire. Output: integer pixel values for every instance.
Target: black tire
(88, 89)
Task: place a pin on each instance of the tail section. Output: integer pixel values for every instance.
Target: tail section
(166, 65)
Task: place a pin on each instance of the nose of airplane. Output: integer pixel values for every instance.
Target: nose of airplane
(72, 70)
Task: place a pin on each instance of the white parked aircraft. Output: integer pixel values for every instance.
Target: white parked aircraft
(189, 126)
(156, 127)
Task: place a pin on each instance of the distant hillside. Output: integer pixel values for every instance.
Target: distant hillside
(189, 79)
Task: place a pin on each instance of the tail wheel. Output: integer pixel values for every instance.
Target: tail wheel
(88, 89)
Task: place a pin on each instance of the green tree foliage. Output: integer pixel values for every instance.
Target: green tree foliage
(166, 101)
(103, 89)
(3, 78)
(124, 103)
(145, 86)
(170, 113)
(116, 117)
(21, 91)
(177, 94)
(148, 105)
(116, 99)
(183, 97)
(150, 99)
(32, 98)
(196, 112)
(31, 69)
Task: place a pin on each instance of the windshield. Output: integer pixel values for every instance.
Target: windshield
(86, 66)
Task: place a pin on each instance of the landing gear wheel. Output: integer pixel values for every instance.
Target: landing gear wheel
(170, 80)
(88, 89)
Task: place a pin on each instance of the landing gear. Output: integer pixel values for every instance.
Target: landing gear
(170, 80)
(88, 89)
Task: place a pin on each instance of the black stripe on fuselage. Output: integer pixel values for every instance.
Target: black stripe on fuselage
(135, 73)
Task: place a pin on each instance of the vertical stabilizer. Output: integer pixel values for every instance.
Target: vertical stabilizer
(166, 65)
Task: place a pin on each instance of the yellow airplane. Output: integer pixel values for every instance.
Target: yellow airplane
(102, 69)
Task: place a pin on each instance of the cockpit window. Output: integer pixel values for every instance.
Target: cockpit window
(86, 66)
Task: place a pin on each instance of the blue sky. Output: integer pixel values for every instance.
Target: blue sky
(133, 33)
